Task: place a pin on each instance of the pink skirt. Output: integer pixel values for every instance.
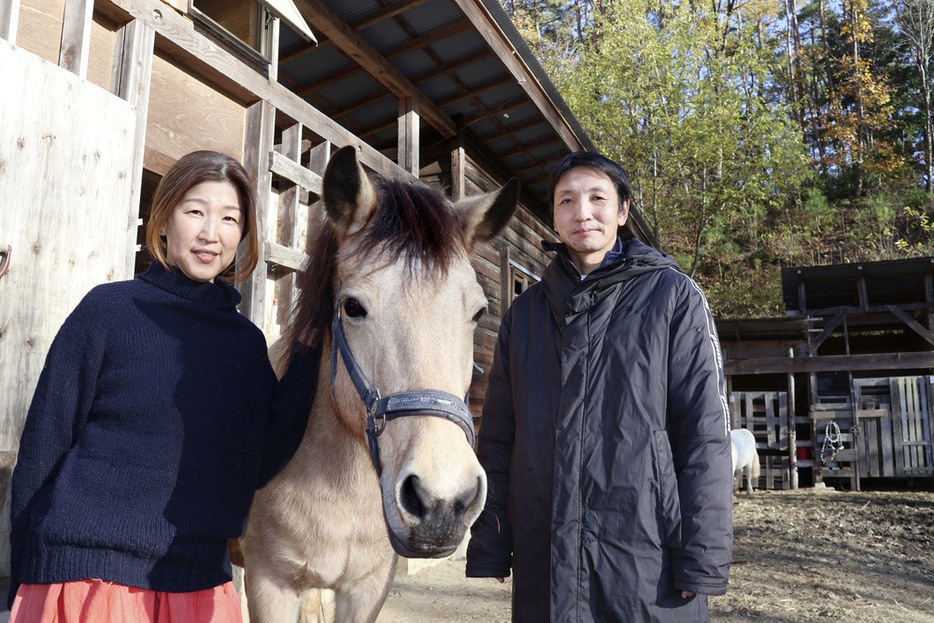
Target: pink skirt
(96, 601)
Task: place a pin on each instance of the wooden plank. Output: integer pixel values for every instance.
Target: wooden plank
(830, 363)
(68, 233)
(911, 322)
(869, 457)
(9, 19)
(204, 56)
(290, 195)
(292, 171)
(897, 427)
(887, 446)
(283, 256)
(130, 80)
(258, 142)
(76, 37)
(408, 135)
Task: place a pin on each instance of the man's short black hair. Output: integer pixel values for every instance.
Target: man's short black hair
(591, 160)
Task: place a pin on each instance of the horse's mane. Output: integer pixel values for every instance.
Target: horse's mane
(411, 222)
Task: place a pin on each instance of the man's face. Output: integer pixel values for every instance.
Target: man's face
(587, 212)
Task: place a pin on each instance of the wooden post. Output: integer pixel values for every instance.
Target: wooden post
(258, 141)
(76, 37)
(458, 169)
(318, 158)
(130, 80)
(287, 230)
(9, 18)
(792, 429)
(274, 49)
(408, 135)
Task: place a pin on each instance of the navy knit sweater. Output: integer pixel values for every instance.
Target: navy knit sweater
(147, 435)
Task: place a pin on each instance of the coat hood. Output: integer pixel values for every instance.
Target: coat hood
(570, 295)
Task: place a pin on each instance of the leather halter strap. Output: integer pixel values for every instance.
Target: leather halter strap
(401, 404)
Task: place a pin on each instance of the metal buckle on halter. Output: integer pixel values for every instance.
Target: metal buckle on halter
(379, 419)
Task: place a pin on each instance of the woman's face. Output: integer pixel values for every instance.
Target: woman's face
(204, 229)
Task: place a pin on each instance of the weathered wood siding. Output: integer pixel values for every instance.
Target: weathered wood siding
(522, 241)
(67, 193)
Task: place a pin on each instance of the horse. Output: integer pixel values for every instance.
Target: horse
(744, 456)
(391, 299)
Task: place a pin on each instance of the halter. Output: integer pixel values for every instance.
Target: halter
(409, 402)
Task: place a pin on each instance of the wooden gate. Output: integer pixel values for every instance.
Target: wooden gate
(895, 426)
(66, 233)
(765, 414)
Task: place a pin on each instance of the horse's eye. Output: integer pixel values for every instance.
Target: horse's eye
(354, 309)
(479, 314)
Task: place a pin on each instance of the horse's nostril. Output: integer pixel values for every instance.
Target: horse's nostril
(410, 498)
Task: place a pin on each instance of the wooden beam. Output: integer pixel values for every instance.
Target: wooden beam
(295, 173)
(400, 50)
(408, 135)
(9, 18)
(76, 37)
(281, 255)
(828, 329)
(131, 78)
(209, 59)
(258, 134)
(387, 12)
(490, 31)
(385, 73)
(458, 169)
(829, 363)
(911, 322)
(861, 289)
(479, 89)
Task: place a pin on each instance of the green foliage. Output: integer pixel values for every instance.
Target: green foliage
(753, 141)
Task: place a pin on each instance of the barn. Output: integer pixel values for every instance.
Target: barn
(102, 97)
(839, 390)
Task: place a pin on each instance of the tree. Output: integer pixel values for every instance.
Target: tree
(680, 95)
(915, 19)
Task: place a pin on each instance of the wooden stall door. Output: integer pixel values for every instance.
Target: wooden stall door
(66, 148)
(765, 414)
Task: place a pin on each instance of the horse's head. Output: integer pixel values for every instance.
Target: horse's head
(409, 303)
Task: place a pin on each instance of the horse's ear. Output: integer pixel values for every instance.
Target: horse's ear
(349, 195)
(484, 216)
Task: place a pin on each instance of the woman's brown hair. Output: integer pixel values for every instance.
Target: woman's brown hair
(191, 170)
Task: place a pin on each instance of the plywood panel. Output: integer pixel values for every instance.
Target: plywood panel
(66, 187)
(185, 115)
(40, 32)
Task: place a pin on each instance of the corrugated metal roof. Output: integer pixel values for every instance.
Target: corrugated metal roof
(456, 63)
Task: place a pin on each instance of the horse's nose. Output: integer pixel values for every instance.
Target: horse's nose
(440, 512)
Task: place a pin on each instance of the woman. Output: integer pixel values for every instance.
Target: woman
(143, 443)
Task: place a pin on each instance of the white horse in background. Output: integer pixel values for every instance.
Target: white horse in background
(744, 456)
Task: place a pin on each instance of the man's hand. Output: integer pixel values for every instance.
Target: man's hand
(684, 594)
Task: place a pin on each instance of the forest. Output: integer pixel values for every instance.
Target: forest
(757, 134)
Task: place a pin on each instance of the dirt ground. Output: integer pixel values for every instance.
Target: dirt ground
(803, 556)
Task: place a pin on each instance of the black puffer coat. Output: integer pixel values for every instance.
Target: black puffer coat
(605, 437)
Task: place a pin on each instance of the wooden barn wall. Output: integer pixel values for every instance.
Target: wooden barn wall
(522, 238)
(40, 32)
(186, 114)
(68, 193)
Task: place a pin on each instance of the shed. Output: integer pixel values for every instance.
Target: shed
(841, 388)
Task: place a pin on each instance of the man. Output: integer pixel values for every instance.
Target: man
(605, 432)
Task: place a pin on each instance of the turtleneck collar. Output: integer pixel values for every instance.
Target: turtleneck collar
(220, 294)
